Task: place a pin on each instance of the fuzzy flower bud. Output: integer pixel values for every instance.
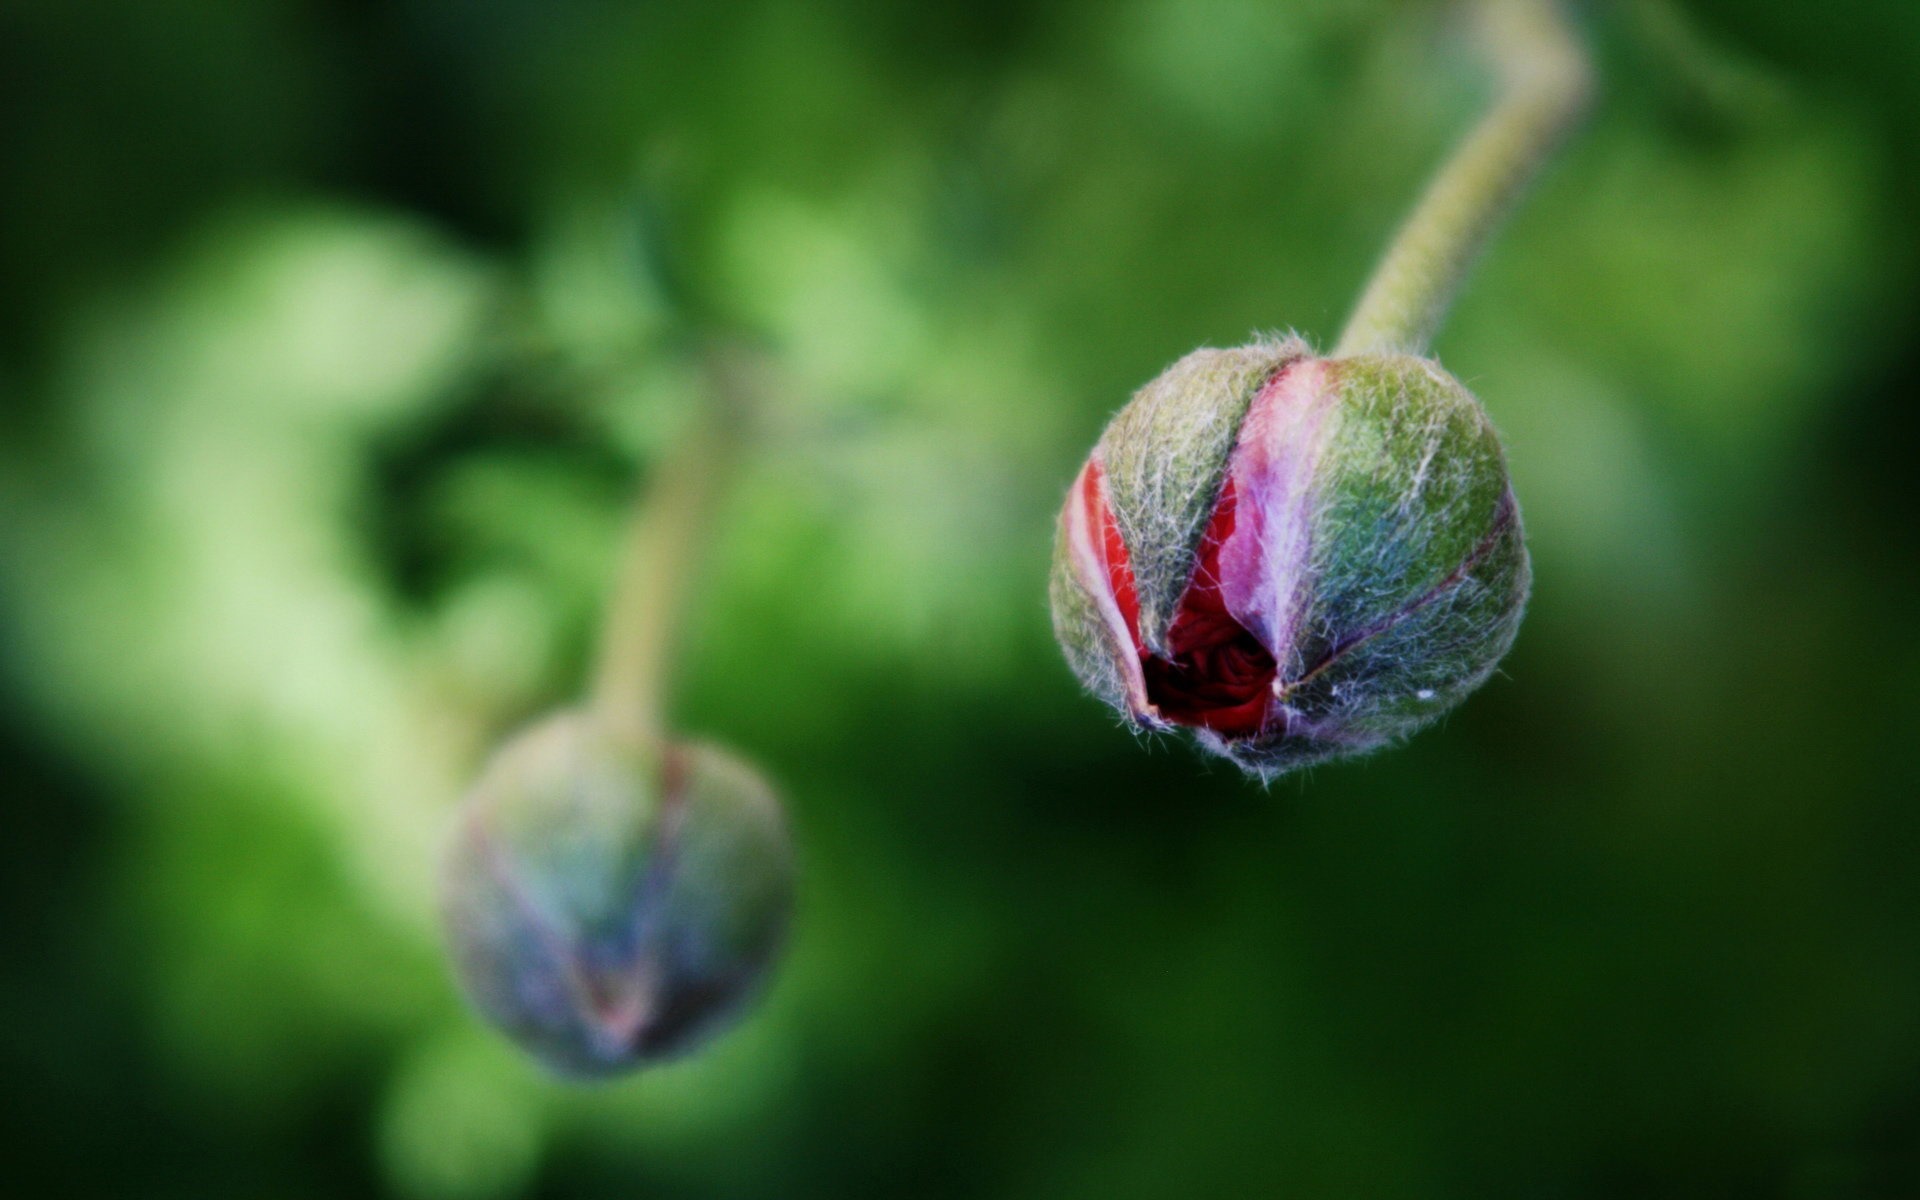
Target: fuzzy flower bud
(1297, 558)
(611, 903)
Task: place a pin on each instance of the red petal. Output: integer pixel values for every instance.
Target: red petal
(1219, 676)
(1111, 547)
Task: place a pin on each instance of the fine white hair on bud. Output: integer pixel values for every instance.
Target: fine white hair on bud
(611, 901)
(1295, 557)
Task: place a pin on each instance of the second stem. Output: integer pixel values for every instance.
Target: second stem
(669, 531)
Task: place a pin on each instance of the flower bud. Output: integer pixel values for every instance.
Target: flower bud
(1297, 558)
(610, 903)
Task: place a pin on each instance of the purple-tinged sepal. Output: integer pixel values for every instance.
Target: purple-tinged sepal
(612, 902)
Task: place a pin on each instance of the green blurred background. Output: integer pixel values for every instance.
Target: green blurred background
(334, 335)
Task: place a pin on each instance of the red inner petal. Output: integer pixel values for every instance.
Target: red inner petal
(1219, 676)
(1113, 549)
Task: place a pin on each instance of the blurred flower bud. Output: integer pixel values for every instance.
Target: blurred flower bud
(612, 903)
(1298, 558)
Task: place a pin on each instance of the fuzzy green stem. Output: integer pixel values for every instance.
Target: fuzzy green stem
(1544, 81)
(668, 532)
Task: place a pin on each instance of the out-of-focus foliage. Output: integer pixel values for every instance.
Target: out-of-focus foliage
(335, 336)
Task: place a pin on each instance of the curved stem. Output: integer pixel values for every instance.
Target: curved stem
(1544, 81)
(668, 531)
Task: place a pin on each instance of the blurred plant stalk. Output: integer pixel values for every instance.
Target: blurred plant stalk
(1545, 82)
(665, 546)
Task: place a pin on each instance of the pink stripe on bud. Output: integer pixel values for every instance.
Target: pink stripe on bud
(1264, 568)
